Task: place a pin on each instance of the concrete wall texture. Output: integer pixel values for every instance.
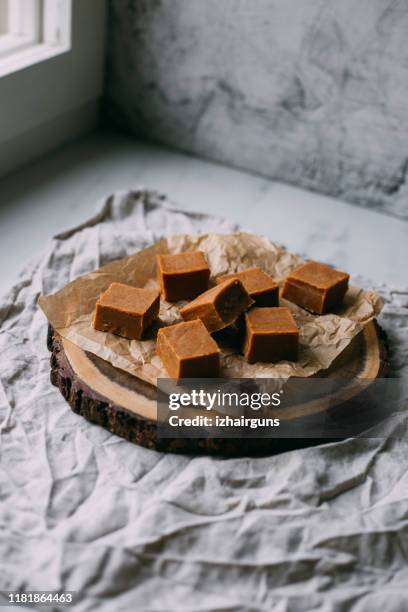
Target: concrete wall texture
(310, 92)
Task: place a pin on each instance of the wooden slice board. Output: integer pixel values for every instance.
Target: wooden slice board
(126, 406)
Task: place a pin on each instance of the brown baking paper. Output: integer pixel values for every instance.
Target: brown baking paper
(322, 338)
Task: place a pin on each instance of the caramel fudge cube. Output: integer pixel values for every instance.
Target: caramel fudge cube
(126, 311)
(271, 334)
(260, 286)
(182, 276)
(220, 306)
(188, 351)
(316, 287)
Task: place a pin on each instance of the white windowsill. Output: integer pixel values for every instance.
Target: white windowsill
(51, 77)
(28, 55)
(10, 43)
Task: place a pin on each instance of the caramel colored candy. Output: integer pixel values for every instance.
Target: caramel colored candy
(126, 311)
(220, 306)
(316, 287)
(260, 286)
(188, 351)
(271, 334)
(182, 276)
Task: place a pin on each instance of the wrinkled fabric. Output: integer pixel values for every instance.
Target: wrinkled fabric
(322, 528)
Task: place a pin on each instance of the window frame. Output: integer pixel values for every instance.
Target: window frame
(21, 25)
(36, 30)
(50, 90)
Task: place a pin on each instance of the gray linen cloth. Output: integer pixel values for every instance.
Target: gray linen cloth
(324, 528)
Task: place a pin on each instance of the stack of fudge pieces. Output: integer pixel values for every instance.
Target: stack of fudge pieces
(245, 302)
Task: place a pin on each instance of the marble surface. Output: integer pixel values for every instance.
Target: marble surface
(62, 190)
(312, 93)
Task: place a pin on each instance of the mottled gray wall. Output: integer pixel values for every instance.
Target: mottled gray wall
(312, 92)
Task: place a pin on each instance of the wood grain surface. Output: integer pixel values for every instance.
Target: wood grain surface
(126, 406)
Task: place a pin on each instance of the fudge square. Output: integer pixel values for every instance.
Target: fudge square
(188, 351)
(182, 276)
(260, 286)
(271, 334)
(316, 287)
(220, 306)
(126, 311)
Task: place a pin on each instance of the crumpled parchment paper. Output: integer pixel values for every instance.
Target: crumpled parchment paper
(129, 529)
(322, 338)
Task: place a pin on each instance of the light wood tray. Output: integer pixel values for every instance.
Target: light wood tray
(126, 406)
